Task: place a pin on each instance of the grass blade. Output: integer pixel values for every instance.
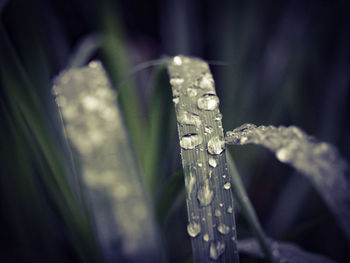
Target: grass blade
(161, 129)
(31, 121)
(209, 199)
(95, 128)
(117, 65)
(319, 162)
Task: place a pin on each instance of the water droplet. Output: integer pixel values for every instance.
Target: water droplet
(177, 61)
(243, 140)
(190, 181)
(208, 129)
(205, 195)
(283, 154)
(216, 145)
(176, 100)
(223, 229)
(217, 212)
(200, 164)
(208, 102)
(193, 229)
(212, 162)
(221, 204)
(93, 64)
(90, 103)
(176, 81)
(187, 118)
(230, 210)
(227, 186)
(206, 82)
(190, 141)
(218, 117)
(191, 92)
(206, 237)
(216, 249)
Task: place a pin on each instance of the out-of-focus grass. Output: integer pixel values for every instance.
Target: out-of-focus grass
(37, 158)
(161, 130)
(115, 57)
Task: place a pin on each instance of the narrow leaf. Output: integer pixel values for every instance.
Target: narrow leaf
(320, 162)
(211, 223)
(124, 218)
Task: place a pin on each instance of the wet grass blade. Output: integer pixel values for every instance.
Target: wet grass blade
(109, 168)
(211, 223)
(319, 162)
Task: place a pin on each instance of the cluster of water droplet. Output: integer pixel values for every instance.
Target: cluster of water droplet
(290, 145)
(195, 99)
(320, 162)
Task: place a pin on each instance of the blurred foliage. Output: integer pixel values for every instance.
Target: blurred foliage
(288, 64)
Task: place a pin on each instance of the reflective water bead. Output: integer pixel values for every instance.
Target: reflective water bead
(216, 249)
(177, 61)
(205, 195)
(208, 102)
(193, 229)
(216, 145)
(227, 186)
(176, 81)
(190, 141)
(223, 229)
(212, 162)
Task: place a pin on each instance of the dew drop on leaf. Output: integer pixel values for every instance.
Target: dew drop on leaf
(177, 60)
(190, 141)
(216, 249)
(193, 229)
(206, 237)
(216, 145)
(205, 195)
(212, 162)
(217, 212)
(187, 118)
(206, 82)
(177, 81)
(227, 186)
(223, 229)
(208, 102)
(191, 92)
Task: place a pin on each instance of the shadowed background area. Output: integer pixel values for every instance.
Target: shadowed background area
(274, 62)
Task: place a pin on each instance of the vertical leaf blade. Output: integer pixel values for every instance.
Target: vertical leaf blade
(209, 199)
(123, 216)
